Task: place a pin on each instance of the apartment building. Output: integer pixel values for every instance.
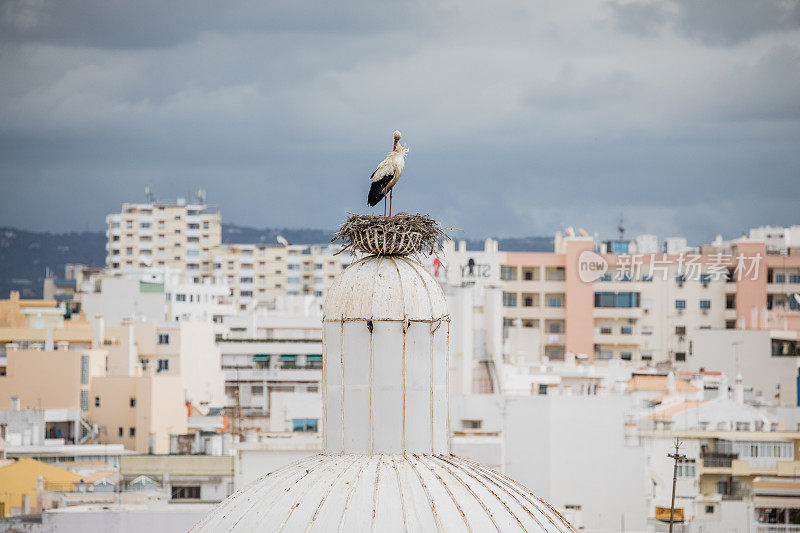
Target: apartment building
(644, 311)
(138, 409)
(259, 274)
(181, 236)
(186, 350)
(312, 269)
(253, 273)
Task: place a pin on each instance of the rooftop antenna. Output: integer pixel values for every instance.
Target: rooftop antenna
(148, 192)
(621, 228)
(201, 196)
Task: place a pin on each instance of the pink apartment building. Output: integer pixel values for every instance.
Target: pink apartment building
(644, 305)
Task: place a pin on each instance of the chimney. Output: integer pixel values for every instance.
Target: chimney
(723, 386)
(738, 390)
(48, 340)
(671, 385)
(99, 331)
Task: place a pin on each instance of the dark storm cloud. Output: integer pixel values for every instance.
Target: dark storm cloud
(714, 22)
(520, 117)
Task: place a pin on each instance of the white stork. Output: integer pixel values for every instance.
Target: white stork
(387, 174)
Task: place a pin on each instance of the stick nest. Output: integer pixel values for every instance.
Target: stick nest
(401, 234)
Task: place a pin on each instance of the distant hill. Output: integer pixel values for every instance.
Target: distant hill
(233, 234)
(25, 256)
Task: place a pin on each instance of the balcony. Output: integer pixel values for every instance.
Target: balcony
(718, 460)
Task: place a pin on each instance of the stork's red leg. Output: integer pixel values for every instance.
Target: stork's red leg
(390, 201)
(384, 206)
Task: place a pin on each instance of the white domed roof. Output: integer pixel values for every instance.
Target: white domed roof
(385, 288)
(384, 493)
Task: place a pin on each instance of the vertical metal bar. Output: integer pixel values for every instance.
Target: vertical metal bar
(324, 385)
(341, 365)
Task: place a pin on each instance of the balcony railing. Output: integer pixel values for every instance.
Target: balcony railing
(719, 460)
(777, 528)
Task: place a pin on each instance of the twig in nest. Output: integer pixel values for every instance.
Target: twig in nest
(401, 234)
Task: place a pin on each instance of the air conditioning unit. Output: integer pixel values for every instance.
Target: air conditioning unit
(705, 311)
(705, 284)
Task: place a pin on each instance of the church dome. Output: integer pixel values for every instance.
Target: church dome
(384, 493)
(385, 287)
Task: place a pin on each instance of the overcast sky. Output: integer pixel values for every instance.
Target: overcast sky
(520, 116)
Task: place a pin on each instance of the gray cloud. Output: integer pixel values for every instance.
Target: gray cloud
(520, 117)
(713, 22)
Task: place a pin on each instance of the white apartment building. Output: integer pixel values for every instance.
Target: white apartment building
(181, 236)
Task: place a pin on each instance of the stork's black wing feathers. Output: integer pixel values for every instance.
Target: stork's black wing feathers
(378, 189)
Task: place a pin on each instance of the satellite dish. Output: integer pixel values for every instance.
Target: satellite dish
(282, 241)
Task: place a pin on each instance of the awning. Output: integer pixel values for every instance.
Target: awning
(288, 358)
(314, 357)
(261, 357)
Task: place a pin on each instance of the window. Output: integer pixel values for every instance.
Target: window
(131, 432)
(132, 401)
(780, 278)
(508, 273)
(178, 298)
(605, 330)
(705, 304)
(705, 278)
(471, 424)
(257, 390)
(542, 389)
(555, 300)
(680, 304)
(97, 401)
(84, 400)
(647, 356)
(616, 299)
(121, 432)
(185, 493)
(84, 370)
(709, 509)
(686, 468)
(529, 300)
(509, 299)
(626, 356)
(647, 330)
(626, 330)
(530, 323)
(680, 330)
(680, 356)
(163, 366)
(163, 338)
(605, 355)
(530, 273)
(304, 425)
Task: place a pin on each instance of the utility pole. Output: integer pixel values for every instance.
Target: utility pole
(677, 457)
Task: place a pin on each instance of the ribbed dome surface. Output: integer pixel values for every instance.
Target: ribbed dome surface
(384, 493)
(385, 288)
